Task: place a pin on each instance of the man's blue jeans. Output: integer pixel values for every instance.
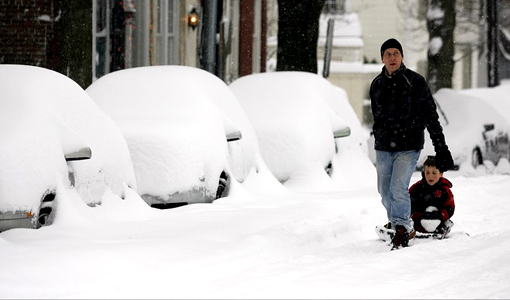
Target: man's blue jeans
(394, 171)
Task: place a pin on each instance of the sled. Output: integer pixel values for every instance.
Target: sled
(386, 234)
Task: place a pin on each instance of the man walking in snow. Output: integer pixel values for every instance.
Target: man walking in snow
(402, 106)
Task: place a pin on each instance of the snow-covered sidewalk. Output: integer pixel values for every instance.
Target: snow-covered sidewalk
(277, 244)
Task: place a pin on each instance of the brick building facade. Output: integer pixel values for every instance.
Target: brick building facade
(30, 32)
(54, 34)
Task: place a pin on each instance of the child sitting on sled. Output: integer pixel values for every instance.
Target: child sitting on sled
(432, 203)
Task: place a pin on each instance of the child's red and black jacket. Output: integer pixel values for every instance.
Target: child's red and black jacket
(438, 195)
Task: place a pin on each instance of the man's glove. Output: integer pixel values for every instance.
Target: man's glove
(444, 160)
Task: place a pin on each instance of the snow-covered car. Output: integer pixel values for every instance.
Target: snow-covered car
(497, 97)
(52, 138)
(178, 138)
(497, 145)
(293, 120)
(243, 153)
(476, 132)
(351, 162)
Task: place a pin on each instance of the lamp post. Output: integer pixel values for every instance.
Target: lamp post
(208, 41)
(492, 43)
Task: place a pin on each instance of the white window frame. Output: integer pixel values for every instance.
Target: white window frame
(168, 39)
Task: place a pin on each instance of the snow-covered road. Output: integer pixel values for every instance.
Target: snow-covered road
(277, 244)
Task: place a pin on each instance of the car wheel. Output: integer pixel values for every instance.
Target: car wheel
(44, 217)
(329, 169)
(476, 158)
(222, 185)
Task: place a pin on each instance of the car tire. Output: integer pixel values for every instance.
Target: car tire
(222, 185)
(45, 216)
(329, 169)
(476, 158)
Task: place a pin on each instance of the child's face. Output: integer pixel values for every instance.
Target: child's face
(432, 175)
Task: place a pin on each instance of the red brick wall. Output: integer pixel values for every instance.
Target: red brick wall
(29, 32)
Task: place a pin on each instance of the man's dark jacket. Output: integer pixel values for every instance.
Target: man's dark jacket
(403, 107)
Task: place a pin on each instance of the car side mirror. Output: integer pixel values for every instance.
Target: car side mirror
(342, 132)
(83, 153)
(234, 136)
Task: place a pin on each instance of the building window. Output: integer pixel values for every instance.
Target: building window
(334, 7)
(101, 37)
(167, 32)
(150, 34)
(156, 32)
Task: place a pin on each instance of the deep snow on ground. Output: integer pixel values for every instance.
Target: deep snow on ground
(253, 244)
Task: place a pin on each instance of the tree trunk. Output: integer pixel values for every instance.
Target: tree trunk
(441, 26)
(298, 32)
(77, 41)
